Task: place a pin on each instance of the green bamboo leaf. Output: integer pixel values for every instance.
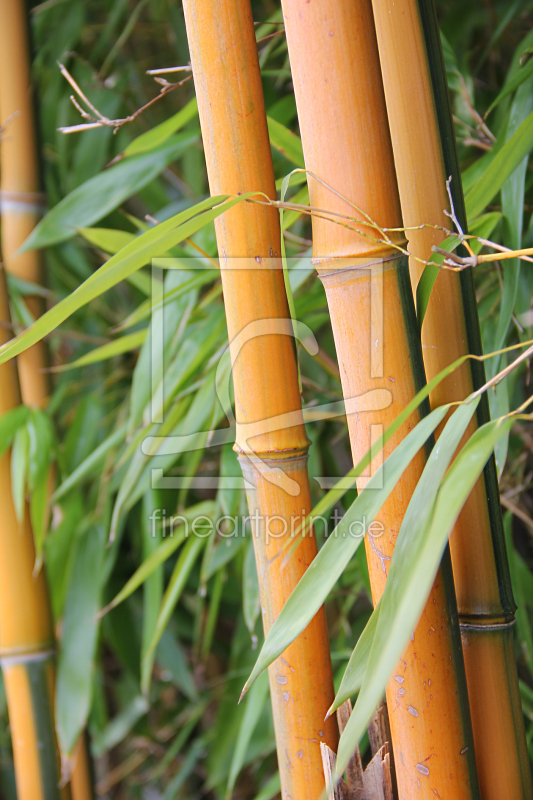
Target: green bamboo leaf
(100, 195)
(107, 239)
(153, 586)
(286, 142)
(156, 136)
(91, 463)
(409, 583)
(500, 169)
(161, 553)
(332, 559)
(251, 602)
(41, 441)
(429, 276)
(155, 242)
(254, 706)
(10, 422)
(513, 218)
(39, 513)
(175, 588)
(78, 638)
(409, 542)
(19, 470)
(324, 506)
(119, 727)
(521, 75)
(124, 344)
(354, 674)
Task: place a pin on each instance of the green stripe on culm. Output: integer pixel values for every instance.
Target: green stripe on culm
(44, 730)
(441, 99)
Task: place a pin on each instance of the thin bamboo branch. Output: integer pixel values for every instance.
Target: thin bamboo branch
(273, 460)
(424, 150)
(346, 142)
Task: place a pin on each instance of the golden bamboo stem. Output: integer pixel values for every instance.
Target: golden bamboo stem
(26, 635)
(274, 462)
(21, 205)
(341, 110)
(484, 597)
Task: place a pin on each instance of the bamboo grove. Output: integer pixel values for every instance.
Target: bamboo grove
(266, 314)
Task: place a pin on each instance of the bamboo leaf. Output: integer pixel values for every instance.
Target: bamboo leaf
(90, 463)
(500, 169)
(78, 640)
(251, 602)
(124, 344)
(177, 584)
(286, 142)
(408, 545)
(409, 582)
(107, 239)
(19, 470)
(100, 195)
(354, 674)
(161, 553)
(254, 706)
(332, 559)
(513, 215)
(153, 243)
(10, 422)
(158, 135)
(521, 75)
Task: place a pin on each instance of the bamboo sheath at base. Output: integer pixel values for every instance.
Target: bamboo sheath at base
(273, 456)
(417, 105)
(346, 143)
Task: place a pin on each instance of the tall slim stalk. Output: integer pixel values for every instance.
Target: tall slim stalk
(341, 110)
(425, 156)
(21, 206)
(21, 202)
(26, 634)
(273, 455)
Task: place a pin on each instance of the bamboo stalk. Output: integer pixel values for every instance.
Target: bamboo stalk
(273, 458)
(21, 205)
(341, 110)
(26, 635)
(425, 156)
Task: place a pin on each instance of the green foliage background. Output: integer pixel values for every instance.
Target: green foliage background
(156, 680)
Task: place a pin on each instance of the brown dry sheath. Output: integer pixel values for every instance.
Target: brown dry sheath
(21, 206)
(273, 457)
(418, 111)
(341, 110)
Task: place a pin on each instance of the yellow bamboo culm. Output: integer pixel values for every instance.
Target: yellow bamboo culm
(273, 457)
(26, 635)
(484, 596)
(21, 203)
(21, 206)
(346, 142)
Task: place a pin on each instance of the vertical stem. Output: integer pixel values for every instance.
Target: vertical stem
(341, 109)
(425, 156)
(21, 203)
(21, 206)
(273, 456)
(26, 635)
